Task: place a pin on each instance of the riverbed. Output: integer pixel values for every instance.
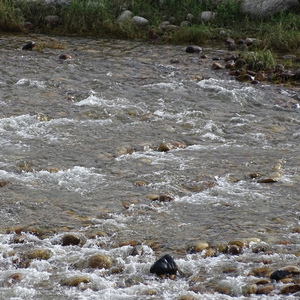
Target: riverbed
(81, 154)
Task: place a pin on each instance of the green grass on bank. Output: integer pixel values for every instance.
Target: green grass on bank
(99, 18)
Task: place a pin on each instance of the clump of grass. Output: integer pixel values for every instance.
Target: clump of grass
(260, 60)
(11, 18)
(193, 35)
(100, 18)
(228, 13)
(53, 44)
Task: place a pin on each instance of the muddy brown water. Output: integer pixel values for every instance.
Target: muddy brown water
(76, 135)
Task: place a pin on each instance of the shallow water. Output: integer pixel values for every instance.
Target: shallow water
(76, 136)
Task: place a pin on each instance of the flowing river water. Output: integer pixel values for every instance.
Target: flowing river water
(79, 156)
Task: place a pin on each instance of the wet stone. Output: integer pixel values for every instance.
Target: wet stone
(223, 288)
(199, 247)
(260, 271)
(70, 239)
(140, 183)
(187, 297)
(265, 290)
(262, 281)
(234, 249)
(137, 250)
(165, 147)
(152, 197)
(217, 66)
(249, 289)
(287, 271)
(100, 261)
(75, 281)
(193, 49)
(289, 289)
(209, 252)
(13, 279)
(20, 238)
(165, 198)
(4, 183)
(40, 254)
(164, 266)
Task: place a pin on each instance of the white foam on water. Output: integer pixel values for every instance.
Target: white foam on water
(240, 193)
(167, 86)
(95, 101)
(31, 83)
(77, 179)
(28, 127)
(236, 92)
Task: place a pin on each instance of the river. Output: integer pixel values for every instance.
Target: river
(80, 156)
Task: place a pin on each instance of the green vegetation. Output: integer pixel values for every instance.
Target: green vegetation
(99, 18)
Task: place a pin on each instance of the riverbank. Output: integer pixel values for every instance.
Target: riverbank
(170, 22)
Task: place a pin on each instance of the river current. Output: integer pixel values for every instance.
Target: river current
(79, 155)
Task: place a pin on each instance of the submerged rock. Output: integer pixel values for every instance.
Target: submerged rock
(164, 266)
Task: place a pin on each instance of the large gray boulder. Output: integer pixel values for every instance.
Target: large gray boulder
(265, 8)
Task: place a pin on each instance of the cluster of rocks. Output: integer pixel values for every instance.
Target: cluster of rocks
(261, 280)
(245, 68)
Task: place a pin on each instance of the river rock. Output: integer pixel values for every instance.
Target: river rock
(187, 297)
(185, 24)
(262, 271)
(217, 66)
(165, 147)
(172, 28)
(125, 15)
(230, 64)
(234, 249)
(287, 271)
(274, 177)
(13, 279)
(207, 16)
(200, 246)
(140, 21)
(75, 281)
(165, 198)
(249, 289)
(140, 183)
(40, 254)
(164, 266)
(265, 8)
(193, 49)
(265, 290)
(4, 183)
(100, 261)
(289, 289)
(70, 239)
(190, 18)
